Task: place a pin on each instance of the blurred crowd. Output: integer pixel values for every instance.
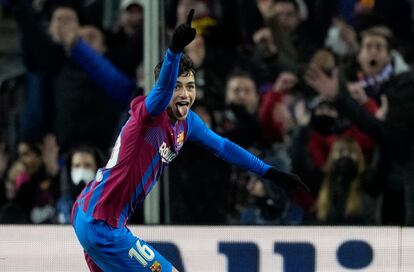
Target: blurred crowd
(320, 88)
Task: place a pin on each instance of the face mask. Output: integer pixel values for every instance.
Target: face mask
(344, 169)
(323, 124)
(82, 174)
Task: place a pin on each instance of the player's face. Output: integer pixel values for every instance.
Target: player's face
(183, 97)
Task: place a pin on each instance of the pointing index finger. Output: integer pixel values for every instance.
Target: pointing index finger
(190, 16)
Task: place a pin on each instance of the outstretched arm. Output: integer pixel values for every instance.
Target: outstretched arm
(234, 154)
(102, 71)
(159, 97)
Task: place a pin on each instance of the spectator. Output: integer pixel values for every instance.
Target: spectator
(86, 48)
(342, 38)
(85, 114)
(295, 38)
(33, 185)
(238, 120)
(125, 41)
(319, 124)
(275, 117)
(43, 58)
(209, 80)
(377, 62)
(396, 15)
(342, 199)
(207, 200)
(394, 134)
(81, 166)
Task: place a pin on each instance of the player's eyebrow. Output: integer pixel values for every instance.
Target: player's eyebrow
(187, 83)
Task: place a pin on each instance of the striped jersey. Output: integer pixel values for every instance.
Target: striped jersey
(147, 143)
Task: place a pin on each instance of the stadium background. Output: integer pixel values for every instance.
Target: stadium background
(201, 232)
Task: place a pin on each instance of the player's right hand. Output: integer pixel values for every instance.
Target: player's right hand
(183, 34)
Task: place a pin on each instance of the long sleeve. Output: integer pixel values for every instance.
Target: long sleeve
(103, 72)
(222, 147)
(360, 116)
(272, 129)
(366, 142)
(160, 95)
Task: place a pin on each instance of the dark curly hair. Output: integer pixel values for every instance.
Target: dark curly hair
(186, 66)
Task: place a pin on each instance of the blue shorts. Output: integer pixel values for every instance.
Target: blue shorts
(116, 249)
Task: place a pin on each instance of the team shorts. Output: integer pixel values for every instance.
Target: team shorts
(115, 249)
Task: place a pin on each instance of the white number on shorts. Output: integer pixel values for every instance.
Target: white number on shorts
(144, 254)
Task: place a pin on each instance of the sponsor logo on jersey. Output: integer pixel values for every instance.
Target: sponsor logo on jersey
(166, 154)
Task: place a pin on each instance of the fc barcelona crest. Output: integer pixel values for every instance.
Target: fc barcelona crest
(180, 140)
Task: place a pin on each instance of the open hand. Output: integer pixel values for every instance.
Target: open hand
(325, 85)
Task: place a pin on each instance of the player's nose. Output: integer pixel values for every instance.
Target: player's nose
(185, 92)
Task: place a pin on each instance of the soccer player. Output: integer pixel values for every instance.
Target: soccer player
(158, 126)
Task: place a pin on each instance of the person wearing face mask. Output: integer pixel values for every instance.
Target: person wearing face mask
(326, 122)
(342, 199)
(393, 131)
(80, 169)
(319, 126)
(238, 120)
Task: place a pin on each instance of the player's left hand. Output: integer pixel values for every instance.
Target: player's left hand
(288, 181)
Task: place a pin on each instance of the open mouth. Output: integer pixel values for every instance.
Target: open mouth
(373, 63)
(183, 107)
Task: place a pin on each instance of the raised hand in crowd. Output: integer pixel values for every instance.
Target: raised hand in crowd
(383, 109)
(264, 42)
(264, 7)
(50, 153)
(358, 93)
(285, 82)
(302, 115)
(325, 85)
(63, 26)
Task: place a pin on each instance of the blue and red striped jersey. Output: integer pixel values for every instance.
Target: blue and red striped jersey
(147, 143)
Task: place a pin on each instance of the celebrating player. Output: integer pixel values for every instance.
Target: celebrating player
(156, 130)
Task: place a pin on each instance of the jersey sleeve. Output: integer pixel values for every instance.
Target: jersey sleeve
(160, 95)
(223, 148)
(102, 72)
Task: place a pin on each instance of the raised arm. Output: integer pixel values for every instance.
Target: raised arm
(333, 89)
(40, 52)
(234, 154)
(102, 71)
(159, 97)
